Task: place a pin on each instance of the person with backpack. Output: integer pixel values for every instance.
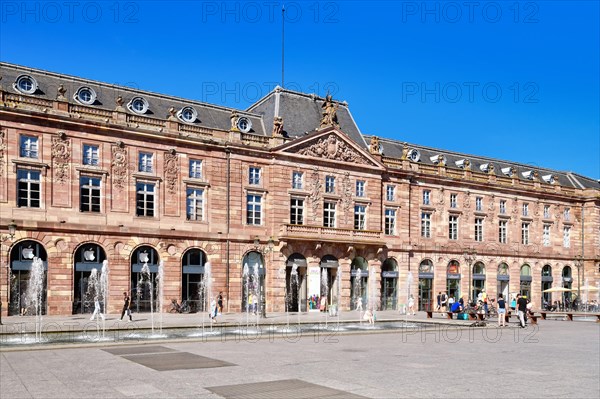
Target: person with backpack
(444, 300)
(439, 301)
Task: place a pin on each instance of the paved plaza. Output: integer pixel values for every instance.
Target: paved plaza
(447, 359)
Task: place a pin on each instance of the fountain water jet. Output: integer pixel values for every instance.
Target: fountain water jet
(35, 292)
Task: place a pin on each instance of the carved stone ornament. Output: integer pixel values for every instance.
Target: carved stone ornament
(2, 151)
(329, 113)
(441, 197)
(405, 150)
(375, 147)
(492, 204)
(61, 93)
(119, 166)
(119, 100)
(467, 202)
(515, 209)
(61, 157)
(347, 191)
(171, 171)
(277, 127)
(331, 147)
(315, 193)
(234, 120)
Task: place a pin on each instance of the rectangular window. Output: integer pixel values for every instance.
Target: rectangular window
(546, 235)
(89, 194)
(503, 206)
(546, 211)
(426, 225)
(525, 233)
(479, 229)
(426, 197)
(390, 222)
(360, 188)
(360, 217)
(525, 209)
(254, 175)
(91, 155)
(28, 147)
(567, 237)
(145, 199)
(567, 214)
(502, 232)
(28, 188)
(390, 193)
(297, 180)
(453, 227)
(195, 169)
(329, 184)
(479, 204)
(145, 162)
(195, 204)
(253, 209)
(296, 211)
(453, 200)
(329, 214)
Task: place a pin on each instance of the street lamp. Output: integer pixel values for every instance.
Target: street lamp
(12, 229)
(578, 265)
(469, 256)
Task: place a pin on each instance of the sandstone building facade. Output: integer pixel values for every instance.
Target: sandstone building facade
(287, 199)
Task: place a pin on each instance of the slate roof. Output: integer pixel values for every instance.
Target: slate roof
(393, 149)
(209, 115)
(302, 113)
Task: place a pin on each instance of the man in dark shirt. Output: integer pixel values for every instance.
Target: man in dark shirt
(521, 308)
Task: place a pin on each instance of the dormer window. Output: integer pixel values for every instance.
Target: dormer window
(187, 114)
(244, 124)
(297, 178)
(508, 171)
(85, 95)
(549, 179)
(528, 175)
(139, 105)
(25, 84)
(414, 155)
(485, 167)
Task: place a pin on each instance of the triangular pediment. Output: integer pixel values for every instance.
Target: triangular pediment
(330, 144)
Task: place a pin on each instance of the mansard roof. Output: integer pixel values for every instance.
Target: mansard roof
(209, 115)
(302, 113)
(394, 149)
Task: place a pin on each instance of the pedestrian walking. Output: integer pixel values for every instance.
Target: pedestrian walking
(126, 306)
(522, 309)
(501, 304)
(220, 301)
(439, 301)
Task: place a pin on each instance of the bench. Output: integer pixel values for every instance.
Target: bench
(570, 315)
(530, 316)
(449, 315)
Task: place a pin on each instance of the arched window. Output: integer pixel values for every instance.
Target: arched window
(503, 280)
(359, 279)
(389, 284)
(144, 287)
(253, 282)
(22, 256)
(295, 281)
(426, 273)
(478, 279)
(193, 262)
(87, 257)
(525, 281)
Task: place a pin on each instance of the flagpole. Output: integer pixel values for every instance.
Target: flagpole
(282, 44)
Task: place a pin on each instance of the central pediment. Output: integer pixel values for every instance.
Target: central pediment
(330, 144)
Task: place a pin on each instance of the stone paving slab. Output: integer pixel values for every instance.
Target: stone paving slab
(176, 361)
(136, 350)
(293, 388)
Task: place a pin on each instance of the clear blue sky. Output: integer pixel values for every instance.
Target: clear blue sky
(510, 80)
